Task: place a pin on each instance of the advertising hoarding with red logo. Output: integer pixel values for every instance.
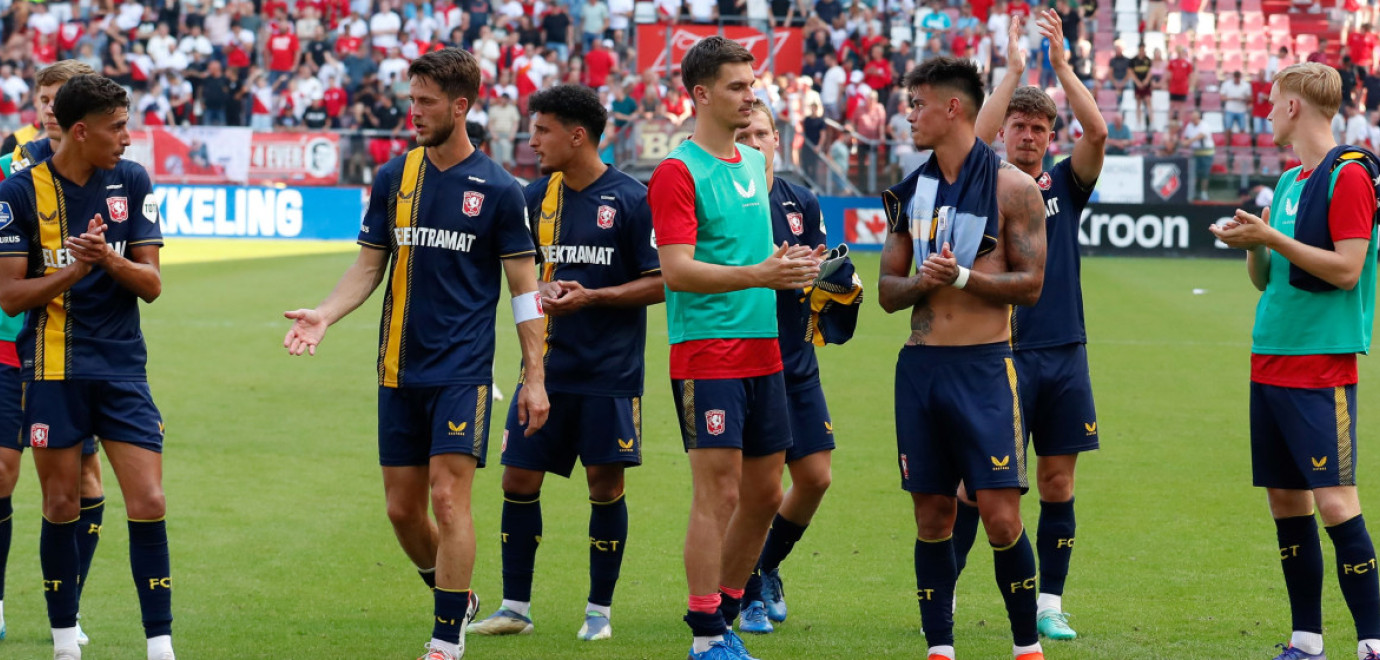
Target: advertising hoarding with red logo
(657, 53)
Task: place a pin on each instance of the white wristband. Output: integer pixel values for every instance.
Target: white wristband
(962, 279)
(527, 307)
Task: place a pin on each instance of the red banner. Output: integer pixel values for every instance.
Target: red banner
(657, 53)
(311, 159)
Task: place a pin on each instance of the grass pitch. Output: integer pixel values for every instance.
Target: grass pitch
(281, 547)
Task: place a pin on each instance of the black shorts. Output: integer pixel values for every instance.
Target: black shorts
(1057, 399)
(1303, 438)
(958, 418)
(416, 423)
(749, 414)
(599, 430)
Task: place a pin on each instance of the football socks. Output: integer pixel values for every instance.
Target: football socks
(730, 604)
(57, 546)
(1300, 554)
(148, 560)
(1015, 570)
(521, 527)
(1357, 575)
(965, 534)
(450, 609)
(89, 533)
(935, 574)
(6, 530)
(1054, 542)
(781, 540)
(608, 533)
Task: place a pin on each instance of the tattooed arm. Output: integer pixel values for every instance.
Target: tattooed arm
(1023, 228)
(897, 288)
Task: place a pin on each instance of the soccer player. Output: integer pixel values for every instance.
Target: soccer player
(81, 349)
(49, 80)
(1312, 255)
(973, 232)
(599, 272)
(1049, 338)
(795, 220)
(449, 219)
(710, 207)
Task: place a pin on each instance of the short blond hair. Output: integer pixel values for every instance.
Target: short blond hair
(1318, 84)
(758, 105)
(63, 71)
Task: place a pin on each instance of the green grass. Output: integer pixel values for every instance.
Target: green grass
(281, 547)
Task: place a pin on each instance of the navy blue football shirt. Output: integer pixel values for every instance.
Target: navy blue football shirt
(600, 237)
(447, 233)
(795, 219)
(92, 330)
(32, 153)
(1057, 319)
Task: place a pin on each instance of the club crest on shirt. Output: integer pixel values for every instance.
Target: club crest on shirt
(714, 422)
(119, 208)
(606, 214)
(797, 222)
(1044, 182)
(6, 215)
(474, 201)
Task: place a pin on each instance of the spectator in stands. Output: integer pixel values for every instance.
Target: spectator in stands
(1142, 84)
(1199, 139)
(335, 99)
(1072, 18)
(1156, 13)
(358, 65)
(153, 108)
(1084, 67)
(1047, 77)
(1357, 128)
(1319, 55)
(1352, 76)
(1182, 82)
(1260, 103)
(86, 53)
(1236, 100)
(1276, 62)
(392, 68)
(1118, 70)
(261, 98)
(1339, 126)
(932, 21)
(1361, 44)
(315, 117)
(385, 25)
(870, 123)
(283, 49)
(831, 88)
(161, 46)
(677, 107)
(878, 73)
(1188, 15)
(1173, 139)
(1119, 137)
(812, 127)
(1159, 68)
(828, 10)
(214, 95)
(841, 153)
(599, 63)
(899, 141)
(15, 91)
(503, 129)
(1370, 91)
(594, 21)
(556, 28)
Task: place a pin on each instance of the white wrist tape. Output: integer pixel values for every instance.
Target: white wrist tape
(962, 279)
(527, 307)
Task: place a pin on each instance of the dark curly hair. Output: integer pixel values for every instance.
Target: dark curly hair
(86, 95)
(572, 105)
(959, 75)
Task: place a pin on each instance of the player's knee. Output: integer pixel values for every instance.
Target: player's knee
(523, 481)
(147, 506)
(406, 514)
(9, 472)
(814, 483)
(447, 506)
(61, 507)
(1003, 530)
(605, 491)
(1056, 485)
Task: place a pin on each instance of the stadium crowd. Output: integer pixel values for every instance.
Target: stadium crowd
(339, 64)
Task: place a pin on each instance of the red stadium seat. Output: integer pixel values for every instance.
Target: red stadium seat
(1219, 163)
(1227, 21)
(1250, 5)
(1265, 140)
(1210, 102)
(1232, 61)
(1181, 40)
(1219, 139)
(1206, 63)
(1252, 21)
(1305, 45)
(1224, 6)
(1257, 61)
(1239, 140)
(1207, 79)
(1279, 22)
(1256, 40)
(1228, 40)
(1280, 40)
(1107, 99)
(1206, 43)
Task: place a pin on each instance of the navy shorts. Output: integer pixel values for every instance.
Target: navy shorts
(62, 413)
(1057, 399)
(1303, 438)
(812, 431)
(416, 423)
(599, 430)
(958, 417)
(749, 414)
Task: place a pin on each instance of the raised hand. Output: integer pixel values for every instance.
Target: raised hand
(308, 329)
(1051, 27)
(1015, 52)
